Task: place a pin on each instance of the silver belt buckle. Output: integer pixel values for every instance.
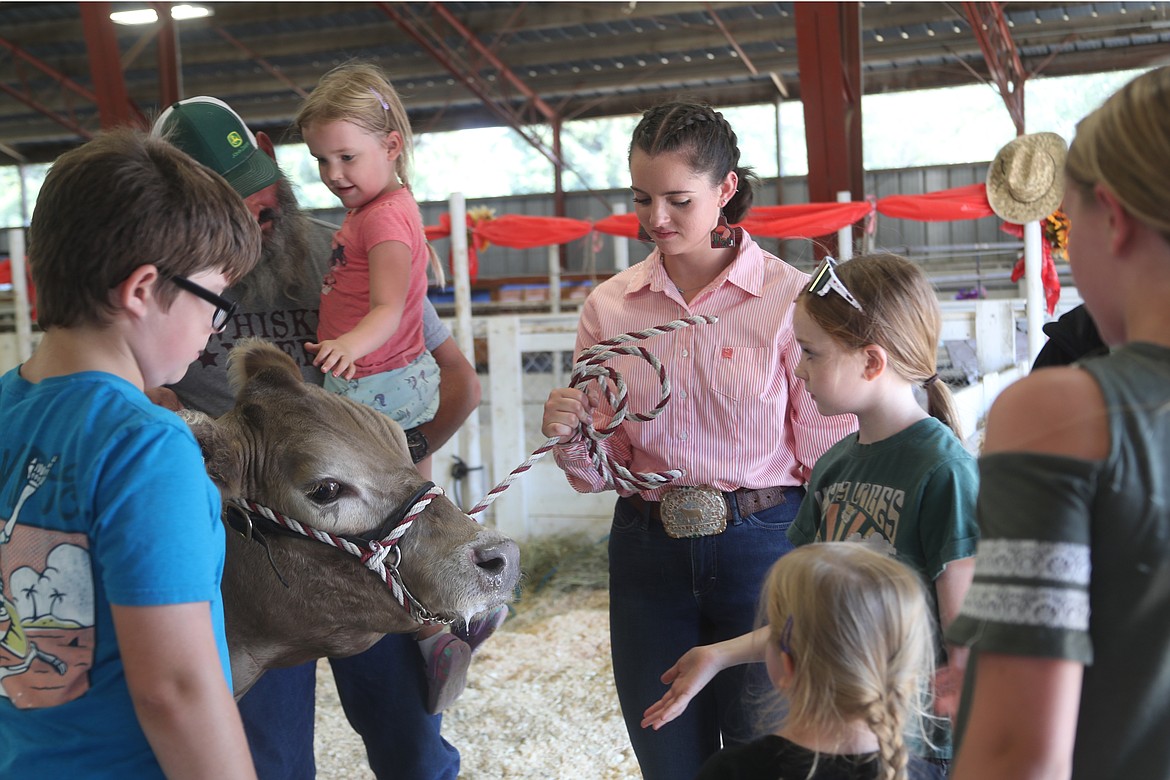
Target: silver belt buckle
(689, 512)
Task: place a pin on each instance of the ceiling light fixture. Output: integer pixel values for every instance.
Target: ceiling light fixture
(148, 16)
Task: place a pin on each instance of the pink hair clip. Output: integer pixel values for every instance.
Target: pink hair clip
(381, 100)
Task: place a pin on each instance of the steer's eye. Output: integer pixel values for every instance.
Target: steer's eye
(324, 491)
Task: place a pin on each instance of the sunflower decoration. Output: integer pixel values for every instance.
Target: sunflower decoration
(1053, 247)
(1055, 228)
(476, 216)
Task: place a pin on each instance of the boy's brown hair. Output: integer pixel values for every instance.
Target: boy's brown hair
(121, 201)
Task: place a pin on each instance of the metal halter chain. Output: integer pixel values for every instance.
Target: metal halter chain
(589, 368)
(371, 552)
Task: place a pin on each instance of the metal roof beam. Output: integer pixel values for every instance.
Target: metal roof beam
(504, 71)
(1003, 59)
(114, 106)
(744, 58)
(263, 63)
(829, 51)
(449, 59)
(61, 79)
(40, 108)
(170, 69)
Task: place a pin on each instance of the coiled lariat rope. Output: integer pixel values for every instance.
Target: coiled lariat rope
(590, 368)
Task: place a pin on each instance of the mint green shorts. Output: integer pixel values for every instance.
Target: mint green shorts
(409, 395)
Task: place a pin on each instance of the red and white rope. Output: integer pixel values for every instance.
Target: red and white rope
(590, 368)
(373, 555)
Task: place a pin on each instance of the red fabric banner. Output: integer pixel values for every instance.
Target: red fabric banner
(438, 231)
(618, 225)
(1048, 276)
(6, 278)
(799, 220)
(968, 202)
(520, 232)
(803, 220)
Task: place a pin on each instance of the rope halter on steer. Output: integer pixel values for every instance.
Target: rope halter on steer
(372, 552)
(590, 368)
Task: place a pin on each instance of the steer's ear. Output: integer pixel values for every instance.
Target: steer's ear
(221, 456)
(253, 357)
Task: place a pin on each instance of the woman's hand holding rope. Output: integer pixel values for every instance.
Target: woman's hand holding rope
(569, 410)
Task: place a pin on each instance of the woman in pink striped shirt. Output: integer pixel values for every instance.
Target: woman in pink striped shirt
(687, 560)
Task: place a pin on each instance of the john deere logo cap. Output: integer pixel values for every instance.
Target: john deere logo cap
(208, 130)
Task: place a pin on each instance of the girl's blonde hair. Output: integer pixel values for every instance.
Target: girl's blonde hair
(858, 628)
(1125, 145)
(360, 93)
(901, 315)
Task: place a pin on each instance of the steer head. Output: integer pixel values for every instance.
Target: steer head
(343, 469)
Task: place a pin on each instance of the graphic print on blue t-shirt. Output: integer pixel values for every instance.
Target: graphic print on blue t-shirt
(46, 606)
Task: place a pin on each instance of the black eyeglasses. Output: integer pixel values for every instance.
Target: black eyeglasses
(825, 279)
(224, 308)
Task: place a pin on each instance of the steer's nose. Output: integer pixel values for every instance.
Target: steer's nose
(499, 563)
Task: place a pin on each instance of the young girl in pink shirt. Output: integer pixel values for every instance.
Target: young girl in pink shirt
(370, 334)
(370, 337)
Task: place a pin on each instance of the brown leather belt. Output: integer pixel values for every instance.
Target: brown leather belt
(748, 500)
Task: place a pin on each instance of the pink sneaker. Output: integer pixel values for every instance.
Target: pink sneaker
(446, 672)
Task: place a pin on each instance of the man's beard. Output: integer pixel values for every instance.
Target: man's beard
(286, 269)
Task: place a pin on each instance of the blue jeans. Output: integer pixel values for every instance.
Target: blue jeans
(383, 692)
(669, 595)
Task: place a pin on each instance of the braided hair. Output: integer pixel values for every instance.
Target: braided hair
(858, 628)
(706, 141)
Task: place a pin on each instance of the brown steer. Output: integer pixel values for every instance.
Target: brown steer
(343, 469)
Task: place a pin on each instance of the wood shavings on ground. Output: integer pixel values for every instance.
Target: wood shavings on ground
(539, 702)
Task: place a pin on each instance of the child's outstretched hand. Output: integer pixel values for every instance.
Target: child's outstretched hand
(334, 355)
(948, 685)
(686, 678)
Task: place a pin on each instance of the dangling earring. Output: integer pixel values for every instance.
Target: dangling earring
(722, 235)
(643, 235)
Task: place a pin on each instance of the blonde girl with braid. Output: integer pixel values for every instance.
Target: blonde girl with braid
(903, 484)
(848, 645)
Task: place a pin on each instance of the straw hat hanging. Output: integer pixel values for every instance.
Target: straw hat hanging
(1025, 182)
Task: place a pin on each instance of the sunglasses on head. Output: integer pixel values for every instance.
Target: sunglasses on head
(825, 279)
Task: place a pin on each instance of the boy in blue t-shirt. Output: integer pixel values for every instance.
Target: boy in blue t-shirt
(113, 659)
